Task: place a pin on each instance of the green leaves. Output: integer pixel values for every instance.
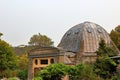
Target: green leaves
(105, 66)
(22, 74)
(56, 71)
(40, 40)
(115, 36)
(37, 78)
(1, 34)
(7, 57)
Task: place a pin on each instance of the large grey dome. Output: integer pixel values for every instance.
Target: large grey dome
(85, 37)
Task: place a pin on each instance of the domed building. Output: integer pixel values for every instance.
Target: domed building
(78, 45)
(83, 40)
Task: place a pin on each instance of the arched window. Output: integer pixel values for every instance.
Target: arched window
(36, 62)
(52, 61)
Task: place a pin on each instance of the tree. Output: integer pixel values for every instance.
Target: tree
(54, 72)
(117, 28)
(108, 50)
(40, 40)
(1, 35)
(37, 78)
(22, 66)
(23, 61)
(115, 36)
(58, 71)
(7, 58)
(82, 72)
(104, 67)
(86, 73)
(22, 74)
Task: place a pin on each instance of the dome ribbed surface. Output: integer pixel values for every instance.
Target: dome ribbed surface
(85, 37)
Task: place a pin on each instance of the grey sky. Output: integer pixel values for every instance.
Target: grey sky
(20, 19)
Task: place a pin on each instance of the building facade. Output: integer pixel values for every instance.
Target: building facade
(41, 57)
(78, 45)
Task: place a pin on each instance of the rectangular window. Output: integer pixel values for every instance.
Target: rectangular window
(44, 61)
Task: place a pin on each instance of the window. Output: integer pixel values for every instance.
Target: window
(99, 30)
(89, 30)
(52, 61)
(36, 62)
(69, 32)
(77, 31)
(44, 61)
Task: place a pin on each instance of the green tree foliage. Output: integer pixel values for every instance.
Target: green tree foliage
(54, 72)
(1, 35)
(58, 71)
(40, 40)
(37, 78)
(87, 73)
(7, 58)
(22, 61)
(115, 36)
(117, 28)
(106, 50)
(22, 74)
(73, 72)
(22, 69)
(13, 78)
(82, 72)
(104, 67)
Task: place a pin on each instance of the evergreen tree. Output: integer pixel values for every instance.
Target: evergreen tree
(104, 67)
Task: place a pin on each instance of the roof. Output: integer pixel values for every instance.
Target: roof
(84, 36)
(43, 51)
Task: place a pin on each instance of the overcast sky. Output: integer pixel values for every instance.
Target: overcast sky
(20, 19)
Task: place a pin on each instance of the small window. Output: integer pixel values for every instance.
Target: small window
(77, 31)
(89, 30)
(44, 61)
(99, 30)
(68, 33)
(36, 62)
(52, 61)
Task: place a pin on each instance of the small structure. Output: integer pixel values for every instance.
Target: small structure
(78, 45)
(41, 57)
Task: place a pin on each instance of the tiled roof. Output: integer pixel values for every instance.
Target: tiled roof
(84, 36)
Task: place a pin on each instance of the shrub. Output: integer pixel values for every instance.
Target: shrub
(14, 78)
(37, 78)
(22, 74)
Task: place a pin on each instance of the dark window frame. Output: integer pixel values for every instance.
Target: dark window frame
(44, 61)
(36, 61)
(52, 61)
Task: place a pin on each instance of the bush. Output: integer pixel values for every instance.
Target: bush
(14, 78)
(37, 78)
(53, 72)
(116, 78)
(82, 72)
(22, 74)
